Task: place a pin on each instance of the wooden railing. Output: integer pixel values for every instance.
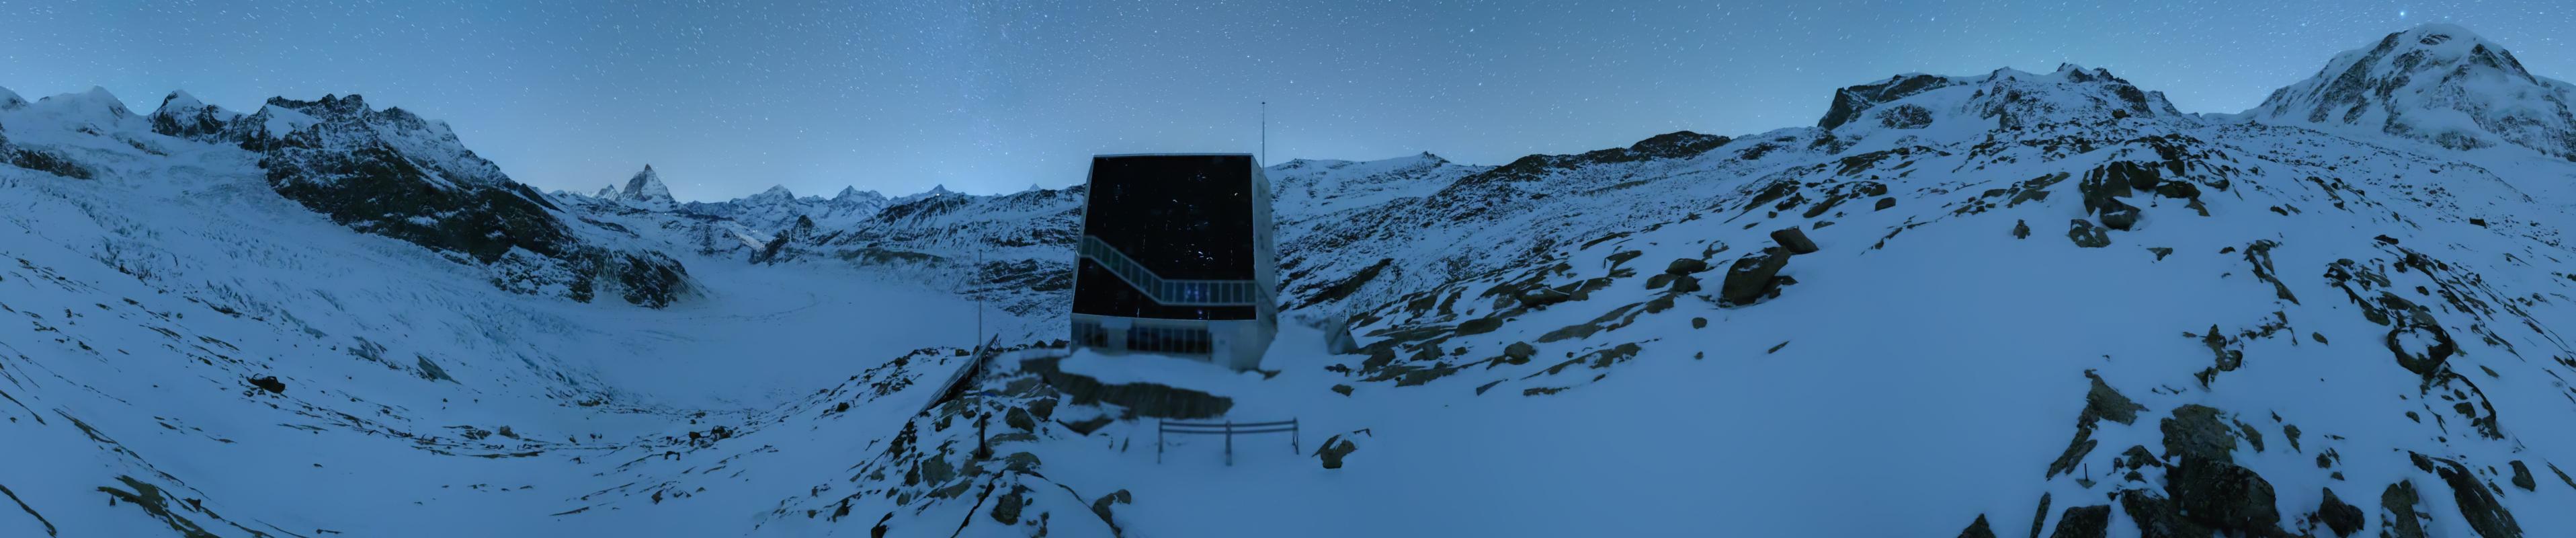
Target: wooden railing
(1229, 429)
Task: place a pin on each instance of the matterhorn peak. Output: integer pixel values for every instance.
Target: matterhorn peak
(646, 191)
(2438, 83)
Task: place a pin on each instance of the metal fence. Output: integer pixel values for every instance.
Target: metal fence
(1229, 429)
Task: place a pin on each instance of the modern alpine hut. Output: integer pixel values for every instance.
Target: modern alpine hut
(1176, 258)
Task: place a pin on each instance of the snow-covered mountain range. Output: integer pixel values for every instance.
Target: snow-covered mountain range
(1954, 303)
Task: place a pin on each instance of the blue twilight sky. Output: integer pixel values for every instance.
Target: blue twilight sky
(728, 98)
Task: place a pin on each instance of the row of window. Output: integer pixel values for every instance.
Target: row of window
(1195, 341)
(1168, 340)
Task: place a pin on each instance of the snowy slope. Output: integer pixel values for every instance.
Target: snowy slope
(2436, 83)
(2029, 295)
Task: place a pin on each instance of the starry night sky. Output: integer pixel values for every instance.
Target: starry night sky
(728, 98)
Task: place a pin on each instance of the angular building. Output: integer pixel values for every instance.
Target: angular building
(1176, 258)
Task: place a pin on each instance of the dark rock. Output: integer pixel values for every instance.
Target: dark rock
(2085, 234)
(2158, 517)
(1147, 399)
(1086, 426)
(1100, 507)
(2118, 215)
(2084, 522)
(269, 383)
(1007, 509)
(1884, 203)
(1333, 453)
(2477, 504)
(2041, 518)
(1794, 240)
(1851, 101)
(2223, 496)
(1543, 297)
(2399, 519)
(1978, 529)
(1479, 326)
(2418, 327)
(1684, 266)
(2178, 189)
(2194, 431)
(2342, 518)
(1906, 116)
(2101, 186)
(1685, 284)
(1752, 277)
(2107, 403)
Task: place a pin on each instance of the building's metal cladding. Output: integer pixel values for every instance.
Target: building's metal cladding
(1177, 259)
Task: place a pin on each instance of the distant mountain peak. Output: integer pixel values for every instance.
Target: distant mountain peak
(646, 191)
(2005, 98)
(94, 101)
(2439, 83)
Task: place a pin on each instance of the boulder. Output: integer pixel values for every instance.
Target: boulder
(1019, 418)
(1794, 240)
(2118, 215)
(2156, 516)
(1334, 450)
(1753, 276)
(2178, 189)
(2223, 496)
(2085, 234)
(2084, 522)
(1978, 529)
(2194, 431)
(1685, 284)
(2340, 517)
(269, 383)
(1542, 297)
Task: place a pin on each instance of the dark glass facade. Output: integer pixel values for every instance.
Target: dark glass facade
(1176, 257)
(1186, 217)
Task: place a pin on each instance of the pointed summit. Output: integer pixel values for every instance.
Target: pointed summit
(2438, 83)
(777, 194)
(645, 191)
